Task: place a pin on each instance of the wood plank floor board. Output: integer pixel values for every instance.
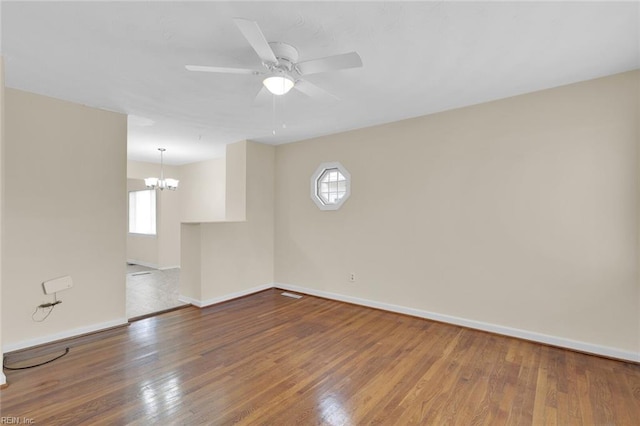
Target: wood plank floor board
(272, 360)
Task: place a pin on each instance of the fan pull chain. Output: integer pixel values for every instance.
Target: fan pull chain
(273, 114)
(284, 112)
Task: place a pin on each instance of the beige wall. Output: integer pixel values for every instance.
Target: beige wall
(169, 229)
(202, 191)
(637, 92)
(521, 213)
(64, 214)
(3, 379)
(190, 285)
(239, 255)
(229, 258)
(236, 182)
(141, 170)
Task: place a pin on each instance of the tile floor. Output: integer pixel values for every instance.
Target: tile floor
(151, 290)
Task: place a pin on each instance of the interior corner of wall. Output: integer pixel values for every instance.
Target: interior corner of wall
(190, 261)
(236, 182)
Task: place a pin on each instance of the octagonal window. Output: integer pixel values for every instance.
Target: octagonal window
(330, 186)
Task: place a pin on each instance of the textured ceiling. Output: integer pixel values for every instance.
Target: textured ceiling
(419, 58)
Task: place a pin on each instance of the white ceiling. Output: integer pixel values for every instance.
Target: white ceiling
(419, 58)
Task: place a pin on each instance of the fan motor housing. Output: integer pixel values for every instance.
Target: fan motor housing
(286, 54)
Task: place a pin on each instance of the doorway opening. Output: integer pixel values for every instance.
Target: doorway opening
(151, 291)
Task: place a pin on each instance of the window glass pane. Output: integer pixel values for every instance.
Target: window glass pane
(331, 186)
(328, 186)
(142, 212)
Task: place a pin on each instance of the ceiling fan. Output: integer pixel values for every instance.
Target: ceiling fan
(281, 68)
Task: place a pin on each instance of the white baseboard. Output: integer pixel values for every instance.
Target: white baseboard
(142, 263)
(9, 347)
(3, 379)
(189, 300)
(478, 325)
(209, 302)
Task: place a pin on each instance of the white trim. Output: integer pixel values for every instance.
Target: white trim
(153, 265)
(478, 325)
(63, 335)
(138, 234)
(189, 300)
(164, 268)
(3, 379)
(226, 297)
(142, 263)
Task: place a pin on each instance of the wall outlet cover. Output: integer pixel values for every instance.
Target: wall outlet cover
(57, 284)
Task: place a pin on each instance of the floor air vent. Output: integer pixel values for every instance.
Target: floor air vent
(294, 296)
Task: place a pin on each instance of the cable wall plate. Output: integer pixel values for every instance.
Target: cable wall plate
(57, 284)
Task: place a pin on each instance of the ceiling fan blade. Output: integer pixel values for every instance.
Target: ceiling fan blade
(256, 39)
(221, 69)
(314, 91)
(330, 63)
(263, 96)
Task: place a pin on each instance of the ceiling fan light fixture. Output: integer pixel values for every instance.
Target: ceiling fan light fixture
(278, 84)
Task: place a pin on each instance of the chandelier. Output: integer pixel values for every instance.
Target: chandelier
(162, 183)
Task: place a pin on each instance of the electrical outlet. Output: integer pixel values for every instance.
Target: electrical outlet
(352, 277)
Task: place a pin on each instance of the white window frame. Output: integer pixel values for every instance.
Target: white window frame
(154, 231)
(315, 180)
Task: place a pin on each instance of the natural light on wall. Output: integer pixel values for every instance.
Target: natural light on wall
(142, 212)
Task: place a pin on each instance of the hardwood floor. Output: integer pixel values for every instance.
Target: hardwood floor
(269, 359)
